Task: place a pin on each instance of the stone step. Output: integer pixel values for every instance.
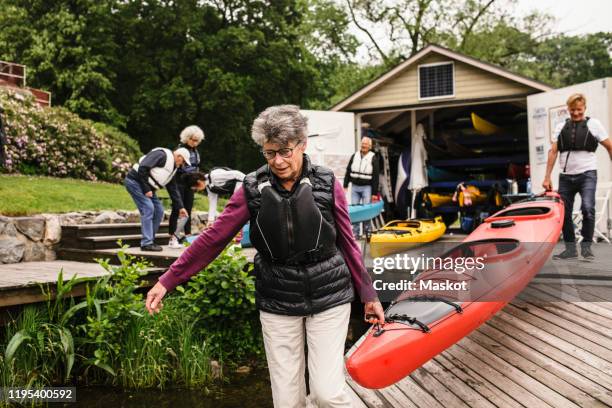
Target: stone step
(97, 230)
(110, 241)
(88, 255)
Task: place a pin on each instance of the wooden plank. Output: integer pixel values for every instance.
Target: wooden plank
(516, 391)
(547, 363)
(591, 333)
(588, 306)
(543, 375)
(369, 397)
(601, 308)
(419, 396)
(473, 380)
(545, 338)
(356, 401)
(395, 397)
(549, 303)
(526, 379)
(560, 332)
(437, 389)
(602, 292)
(462, 390)
(574, 318)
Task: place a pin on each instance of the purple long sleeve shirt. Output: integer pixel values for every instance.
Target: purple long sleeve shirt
(214, 239)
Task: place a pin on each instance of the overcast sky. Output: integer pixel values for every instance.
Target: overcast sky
(574, 16)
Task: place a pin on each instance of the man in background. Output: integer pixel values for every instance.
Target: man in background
(362, 172)
(154, 171)
(576, 141)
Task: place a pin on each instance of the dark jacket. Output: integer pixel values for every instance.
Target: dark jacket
(156, 158)
(299, 269)
(194, 159)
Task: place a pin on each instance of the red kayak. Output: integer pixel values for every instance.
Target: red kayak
(438, 310)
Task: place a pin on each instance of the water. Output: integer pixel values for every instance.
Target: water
(240, 391)
(244, 391)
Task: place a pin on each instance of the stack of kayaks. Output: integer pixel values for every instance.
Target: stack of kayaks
(515, 243)
(397, 236)
(439, 174)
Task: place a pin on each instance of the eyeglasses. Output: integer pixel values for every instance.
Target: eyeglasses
(285, 152)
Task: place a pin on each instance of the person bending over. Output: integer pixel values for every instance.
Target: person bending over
(155, 170)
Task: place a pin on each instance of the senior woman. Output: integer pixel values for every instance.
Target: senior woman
(190, 138)
(307, 265)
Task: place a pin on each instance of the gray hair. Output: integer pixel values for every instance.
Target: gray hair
(280, 124)
(192, 131)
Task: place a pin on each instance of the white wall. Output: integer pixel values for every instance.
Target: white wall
(547, 108)
(336, 144)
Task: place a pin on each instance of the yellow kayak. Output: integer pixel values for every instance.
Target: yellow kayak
(484, 126)
(435, 200)
(398, 235)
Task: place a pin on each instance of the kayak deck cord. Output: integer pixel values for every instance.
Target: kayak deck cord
(402, 318)
(428, 298)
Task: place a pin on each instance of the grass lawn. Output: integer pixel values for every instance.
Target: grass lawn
(25, 195)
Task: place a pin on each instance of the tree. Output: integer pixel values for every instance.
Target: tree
(397, 29)
(69, 50)
(153, 67)
(566, 60)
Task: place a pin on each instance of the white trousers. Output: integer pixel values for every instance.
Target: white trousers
(325, 334)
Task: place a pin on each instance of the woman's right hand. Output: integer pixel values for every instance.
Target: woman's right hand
(154, 298)
(547, 184)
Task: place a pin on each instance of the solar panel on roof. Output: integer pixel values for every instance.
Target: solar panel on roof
(436, 80)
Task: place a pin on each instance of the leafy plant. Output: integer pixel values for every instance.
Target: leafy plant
(108, 338)
(54, 141)
(223, 298)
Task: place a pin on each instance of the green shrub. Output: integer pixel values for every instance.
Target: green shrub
(56, 142)
(109, 338)
(223, 297)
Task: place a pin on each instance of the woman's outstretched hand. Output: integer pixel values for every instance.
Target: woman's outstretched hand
(154, 298)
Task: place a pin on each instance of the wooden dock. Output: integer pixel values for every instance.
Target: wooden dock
(20, 282)
(550, 347)
(555, 351)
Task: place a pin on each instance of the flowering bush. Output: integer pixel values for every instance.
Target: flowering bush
(56, 142)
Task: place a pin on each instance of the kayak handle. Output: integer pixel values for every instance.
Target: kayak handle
(410, 320)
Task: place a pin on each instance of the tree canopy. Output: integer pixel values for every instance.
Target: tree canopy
(152, 67)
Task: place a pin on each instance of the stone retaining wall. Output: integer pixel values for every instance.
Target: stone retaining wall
(35, 238)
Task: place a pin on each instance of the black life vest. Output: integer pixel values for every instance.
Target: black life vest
(299, 270)
(581, 139)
